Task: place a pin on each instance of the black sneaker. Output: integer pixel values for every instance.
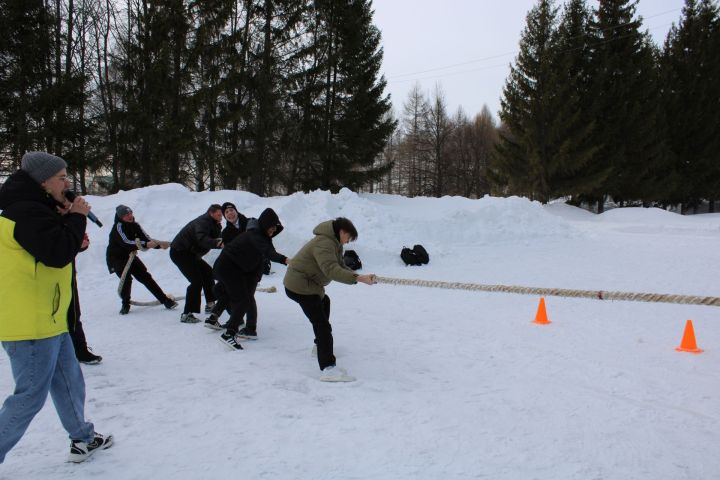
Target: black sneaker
(209, 307)
(170, 304)
(212, 322)
(125, 309)
(88, 358)
(81, 451)
(189, 318)
(247, 333)
(230, 341)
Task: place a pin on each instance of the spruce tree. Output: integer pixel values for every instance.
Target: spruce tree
(690, 72)
(209, 57)
(576, 168)
(25, 52)
(355, 124)
(527, 148)
(626, 93)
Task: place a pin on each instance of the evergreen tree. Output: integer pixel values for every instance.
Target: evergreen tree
(527, 149)
(159, 128)
(280, 22)
(575, 168)
(210, 53)
(627, 103)
(355, 127)
(25, 52)
(690, 67)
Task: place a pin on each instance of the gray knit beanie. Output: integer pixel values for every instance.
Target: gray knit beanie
(41, 165)
(122, 210)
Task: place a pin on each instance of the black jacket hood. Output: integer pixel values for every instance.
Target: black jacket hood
(20, 187)
(268, 218)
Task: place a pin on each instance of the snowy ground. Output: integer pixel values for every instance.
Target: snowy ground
(451, 384)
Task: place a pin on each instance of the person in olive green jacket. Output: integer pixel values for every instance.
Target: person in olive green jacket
(318, 263)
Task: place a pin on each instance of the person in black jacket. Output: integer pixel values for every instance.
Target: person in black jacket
(188, 247)
(126, 237)
(239, 268)
(83, 353)
(235, 223)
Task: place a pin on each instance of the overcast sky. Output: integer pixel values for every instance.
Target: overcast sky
(468, 45)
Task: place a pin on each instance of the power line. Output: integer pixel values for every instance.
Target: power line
(398, 78)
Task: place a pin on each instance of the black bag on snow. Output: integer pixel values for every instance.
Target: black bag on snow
(409, 257)
(415, 256)
(352, 260)
(421, 253)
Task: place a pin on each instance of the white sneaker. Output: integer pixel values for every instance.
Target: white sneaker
(335, 374)
(81, 451)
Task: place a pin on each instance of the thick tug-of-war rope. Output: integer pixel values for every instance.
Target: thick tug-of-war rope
(558, 292)
(133, 254)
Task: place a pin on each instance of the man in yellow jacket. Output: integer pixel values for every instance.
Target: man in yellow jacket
(317, 263)
(37, 247)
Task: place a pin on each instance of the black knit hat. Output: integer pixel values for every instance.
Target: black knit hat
(227, 205)
(41, 165)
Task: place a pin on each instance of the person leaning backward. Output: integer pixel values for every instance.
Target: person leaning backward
(188, 247)
(123, 239)
(37, 247)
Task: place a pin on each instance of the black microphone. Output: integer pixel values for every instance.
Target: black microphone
(70, 195)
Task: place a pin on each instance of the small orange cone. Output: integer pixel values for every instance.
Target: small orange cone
(541, 315)
(688, 341)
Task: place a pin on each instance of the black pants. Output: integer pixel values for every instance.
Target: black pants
(141, 274)
(239, 288)
(200, 276)
(75, 327)
(317, 310)
(223, 303)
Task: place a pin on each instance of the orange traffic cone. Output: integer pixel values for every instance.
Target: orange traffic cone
(541, 315)
(688, 341)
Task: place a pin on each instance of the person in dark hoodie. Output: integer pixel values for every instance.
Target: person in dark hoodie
(236, 223)
(188, 247)
(37, 247)
(239, 268)
(126, 237)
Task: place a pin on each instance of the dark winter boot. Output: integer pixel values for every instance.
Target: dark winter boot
(88, 358)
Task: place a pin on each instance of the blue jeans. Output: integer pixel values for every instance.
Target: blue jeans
(39, 367)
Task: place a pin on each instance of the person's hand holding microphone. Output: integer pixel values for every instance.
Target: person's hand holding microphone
(79, 205)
